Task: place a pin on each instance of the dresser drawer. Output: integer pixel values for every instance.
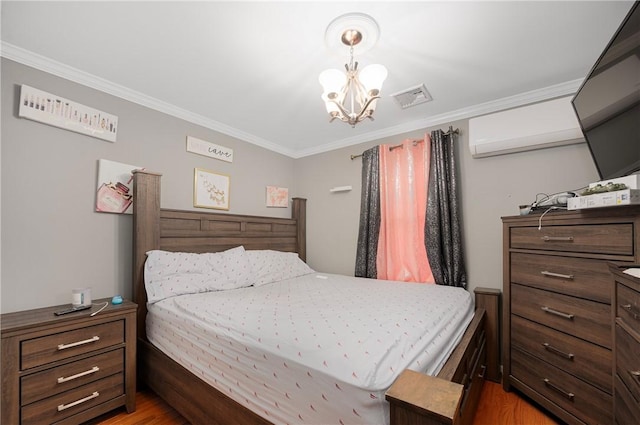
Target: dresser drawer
(613, 239)
(626, 407)
(587, 361)
(582, 277)
(628, 308)
(628, 360)
(573, 395)
(584, 319)
(66, 377)
(66, 404)
(50, 348)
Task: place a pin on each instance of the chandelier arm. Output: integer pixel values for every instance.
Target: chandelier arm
(361, 116)
(343, 111)
(361, 93)
(366, 105)
(345, 116)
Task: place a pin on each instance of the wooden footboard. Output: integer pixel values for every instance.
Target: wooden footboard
(451, 397)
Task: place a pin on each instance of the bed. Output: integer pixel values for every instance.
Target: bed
(198, 381)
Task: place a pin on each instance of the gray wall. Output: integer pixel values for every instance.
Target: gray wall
(53, 241)
(490, 188)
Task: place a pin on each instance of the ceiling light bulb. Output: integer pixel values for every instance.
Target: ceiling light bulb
(332, 80)
(372, 77)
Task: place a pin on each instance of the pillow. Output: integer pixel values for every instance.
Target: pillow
(168, 274)
(270, 266)
(235, 265)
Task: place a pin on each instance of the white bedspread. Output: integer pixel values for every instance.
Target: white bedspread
(318, 349)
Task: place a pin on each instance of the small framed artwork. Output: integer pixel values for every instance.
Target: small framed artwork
(277, 197)
(210, 190)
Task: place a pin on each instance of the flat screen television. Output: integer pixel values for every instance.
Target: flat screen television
(607, 103)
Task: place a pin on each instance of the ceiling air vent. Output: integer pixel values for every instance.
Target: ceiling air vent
(412, 96)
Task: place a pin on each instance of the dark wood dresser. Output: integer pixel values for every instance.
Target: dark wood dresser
(68, 369)
(557, 289)
(626, 346)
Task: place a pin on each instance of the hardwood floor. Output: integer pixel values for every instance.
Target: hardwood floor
(150, 410)
(496, 408)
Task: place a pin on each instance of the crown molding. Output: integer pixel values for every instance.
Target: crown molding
(43, 63)
(522, 99)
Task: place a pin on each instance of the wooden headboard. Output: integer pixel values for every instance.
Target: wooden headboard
(196, 231)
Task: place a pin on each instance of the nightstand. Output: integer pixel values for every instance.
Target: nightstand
(68, 369)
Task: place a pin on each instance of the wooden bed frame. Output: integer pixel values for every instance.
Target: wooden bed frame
(195, 231)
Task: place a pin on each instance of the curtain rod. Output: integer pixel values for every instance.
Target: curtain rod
(416, 141)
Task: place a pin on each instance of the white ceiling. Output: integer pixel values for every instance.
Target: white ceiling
(250, 69)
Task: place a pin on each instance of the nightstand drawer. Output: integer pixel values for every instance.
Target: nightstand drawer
(573, 395)
(628, 360)
(628, 305)
(74, 401)
(47, 349)
(587, 361)
(614, 239)
(66, 377)
(581, 277)
(584, 319)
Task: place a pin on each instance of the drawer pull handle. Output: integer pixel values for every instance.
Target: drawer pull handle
(483, 372)
(557, 313)
(78, 375)
(635, 374)
(561, 276)
(554, 350)
(557, 238)
(62, 407)
(629, 308)
(75, 344)
(559, 390)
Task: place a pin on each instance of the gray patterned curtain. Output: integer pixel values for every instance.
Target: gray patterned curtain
(443, 235)
(369, 229)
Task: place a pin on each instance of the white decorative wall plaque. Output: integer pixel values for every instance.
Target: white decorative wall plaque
(59, 112)
(209, 149)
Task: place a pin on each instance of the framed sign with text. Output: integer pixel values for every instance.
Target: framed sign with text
(202, 147)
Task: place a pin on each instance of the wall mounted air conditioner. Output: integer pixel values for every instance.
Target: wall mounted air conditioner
(537, 126)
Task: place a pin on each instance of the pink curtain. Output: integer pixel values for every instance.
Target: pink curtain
(404, 175)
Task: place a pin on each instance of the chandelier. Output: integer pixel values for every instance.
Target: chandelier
(351, 96)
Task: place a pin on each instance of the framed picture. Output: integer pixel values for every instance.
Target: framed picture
(210, 190)
(277, 197)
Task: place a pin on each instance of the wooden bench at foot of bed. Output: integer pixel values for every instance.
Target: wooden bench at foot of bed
(449, 398)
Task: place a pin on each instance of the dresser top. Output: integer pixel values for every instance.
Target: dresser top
(622, 211)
